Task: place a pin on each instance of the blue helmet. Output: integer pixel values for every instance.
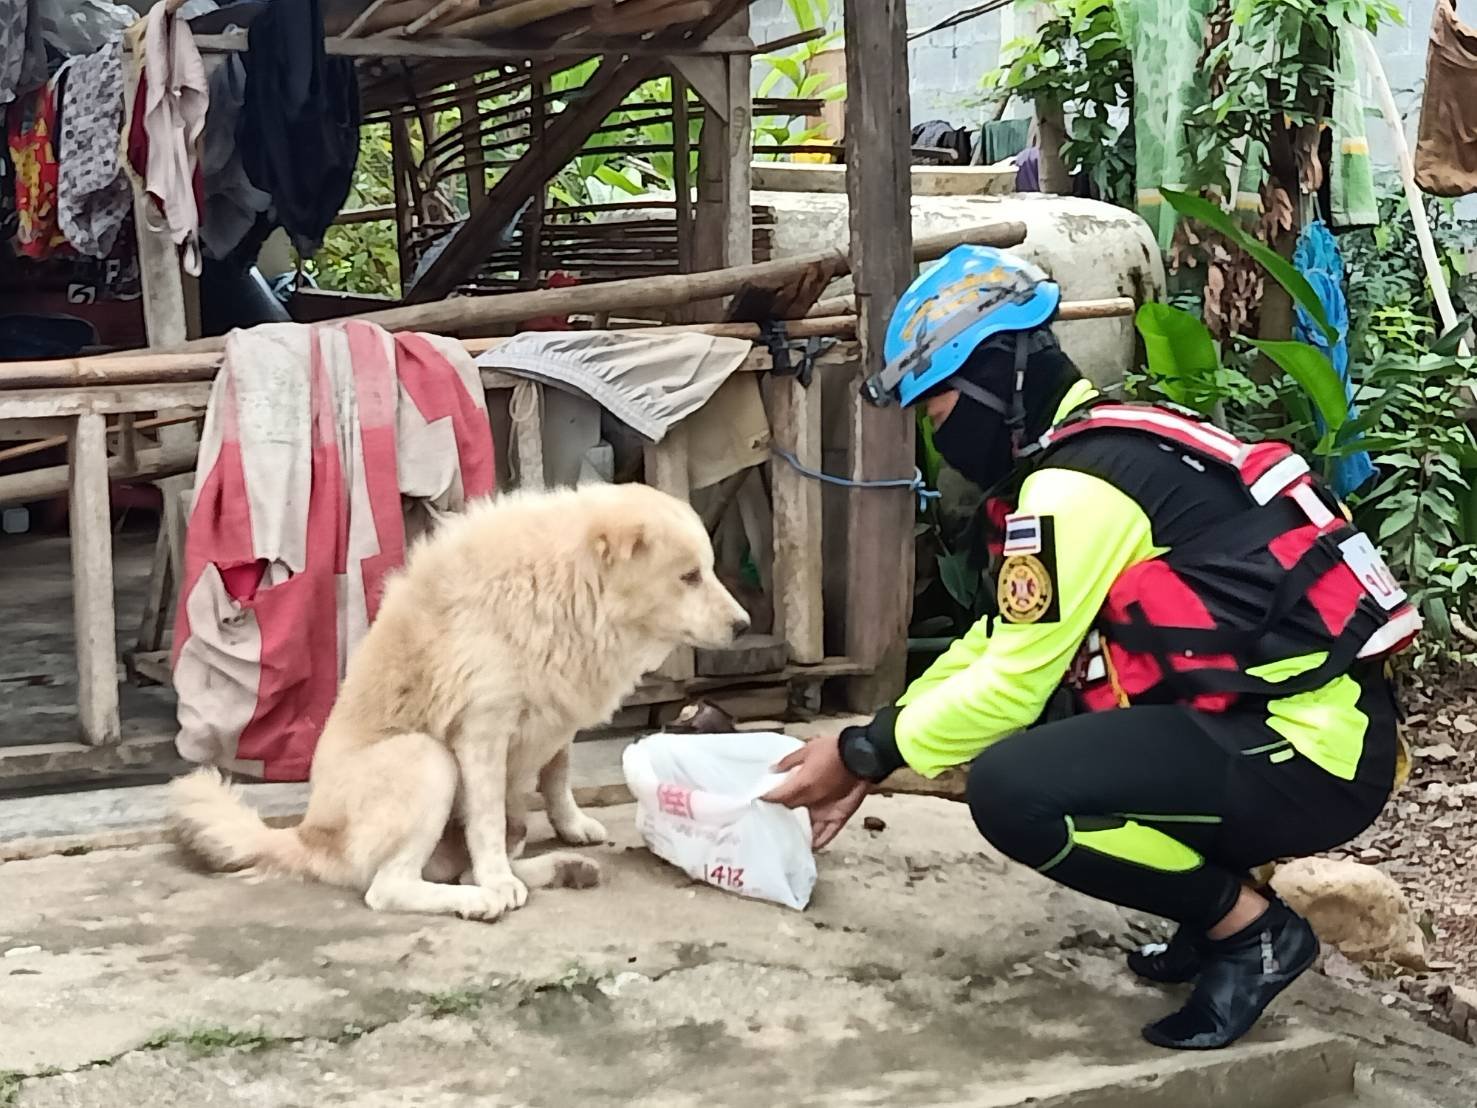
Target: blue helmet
(973, 294)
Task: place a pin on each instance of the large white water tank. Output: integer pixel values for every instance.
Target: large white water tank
(1094, 250)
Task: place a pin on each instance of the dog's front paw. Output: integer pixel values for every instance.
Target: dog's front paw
(580, 830)
(499, 895)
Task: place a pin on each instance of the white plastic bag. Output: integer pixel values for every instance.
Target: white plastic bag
(698, 807)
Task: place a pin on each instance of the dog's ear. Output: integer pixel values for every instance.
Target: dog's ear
(620, 542)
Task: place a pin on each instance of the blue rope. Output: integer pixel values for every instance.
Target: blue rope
(915, 482)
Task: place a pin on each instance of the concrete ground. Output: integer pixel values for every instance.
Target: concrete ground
(927, 971)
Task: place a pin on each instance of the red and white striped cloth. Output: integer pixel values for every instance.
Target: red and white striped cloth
(324, 449)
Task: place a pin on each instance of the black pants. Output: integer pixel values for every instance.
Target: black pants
(1165, 809)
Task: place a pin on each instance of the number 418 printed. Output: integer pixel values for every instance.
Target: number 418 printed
(725, 877)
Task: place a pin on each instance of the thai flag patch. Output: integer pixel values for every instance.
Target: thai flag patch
(1022, 535)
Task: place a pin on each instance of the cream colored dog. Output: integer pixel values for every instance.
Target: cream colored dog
(515, 625)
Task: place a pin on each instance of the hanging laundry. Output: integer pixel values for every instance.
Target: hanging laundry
(32, 138)
(13, 19)
(325, 451)
(937, 134)
(8, 218)
(649, 382)
(1318, 259)
(22, 49)
(93, 197)
(1446, 144)
(233, 205)
(1166, 38)
(1028, 170)
(1351, 192)
(1004, 138)
(299, 130)
(165, 124)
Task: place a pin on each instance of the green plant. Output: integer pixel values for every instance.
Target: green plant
(453, 1002)
(792, 73)
(1422, 509)
(1185, 360)
(1078, 62)
(950, 594)
(1391, 308)
(363, 257)
(1268, 73)
(203, 1041)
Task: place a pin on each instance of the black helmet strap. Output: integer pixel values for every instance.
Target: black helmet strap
(1014, 410)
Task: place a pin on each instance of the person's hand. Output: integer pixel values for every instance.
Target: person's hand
(816, 776)
(827, 820)
(820, 781)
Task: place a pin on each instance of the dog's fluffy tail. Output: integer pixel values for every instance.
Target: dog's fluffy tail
(212, 821)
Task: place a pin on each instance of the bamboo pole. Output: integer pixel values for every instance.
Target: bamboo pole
(125, 427)
(468, 315)
(1413, 197)
(508, 18)
(43, 484)
(1067, 312)
(201, 365)
(441, 9)
(363, 18)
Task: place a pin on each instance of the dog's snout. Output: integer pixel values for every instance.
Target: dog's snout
(740, 626)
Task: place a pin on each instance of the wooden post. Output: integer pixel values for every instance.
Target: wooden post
(795, 423)
(401, 168)
(471, 110)
(666, 469)
(725, 220)
(878, 185)
(162, 284)
(92, 582)
(154, 623)
(723, 225)
(171, 304)
(682, 171)
(533, 220)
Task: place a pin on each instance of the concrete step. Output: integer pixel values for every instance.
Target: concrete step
(1302, 1068)
(99, 819)
(36, 826)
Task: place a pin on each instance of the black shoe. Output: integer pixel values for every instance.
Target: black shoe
(1239, 977)
(1173, 963)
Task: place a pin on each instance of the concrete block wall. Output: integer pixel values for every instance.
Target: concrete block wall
(946, 66)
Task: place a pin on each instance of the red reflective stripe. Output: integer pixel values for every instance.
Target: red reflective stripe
(1200, 437)
(1335, 597)
(1290, 546)
(1260, 459)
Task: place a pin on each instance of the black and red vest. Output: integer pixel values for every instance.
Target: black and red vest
(1289, 576)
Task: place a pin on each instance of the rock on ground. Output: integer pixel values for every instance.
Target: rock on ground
(1355, 907)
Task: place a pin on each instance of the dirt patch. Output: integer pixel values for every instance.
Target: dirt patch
(1425, 841)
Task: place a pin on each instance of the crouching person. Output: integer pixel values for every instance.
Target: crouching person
(1220, 625)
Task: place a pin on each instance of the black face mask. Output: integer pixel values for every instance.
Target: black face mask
(975, 440)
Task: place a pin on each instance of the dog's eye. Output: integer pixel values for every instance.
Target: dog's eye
(693, 577)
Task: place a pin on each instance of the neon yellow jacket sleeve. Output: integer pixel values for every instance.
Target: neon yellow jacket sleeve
(992, 684)
(960, 656)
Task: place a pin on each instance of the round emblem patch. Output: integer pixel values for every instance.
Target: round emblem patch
(1025, 589)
